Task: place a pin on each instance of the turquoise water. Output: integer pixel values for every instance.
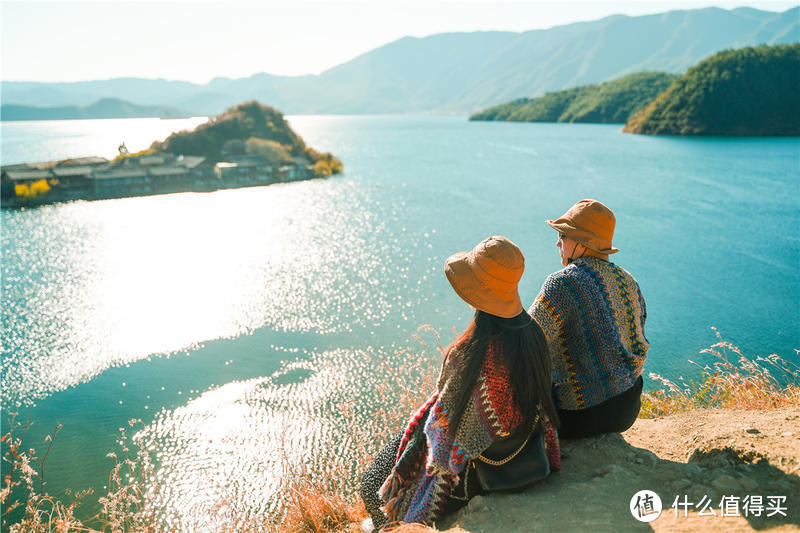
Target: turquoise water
(229, 322)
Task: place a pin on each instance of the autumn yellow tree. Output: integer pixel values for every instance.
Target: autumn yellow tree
(33, 190)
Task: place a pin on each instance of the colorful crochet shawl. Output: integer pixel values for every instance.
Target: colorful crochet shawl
(429, 462)
(592, 313)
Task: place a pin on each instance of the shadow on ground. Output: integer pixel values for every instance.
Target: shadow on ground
(600, 475)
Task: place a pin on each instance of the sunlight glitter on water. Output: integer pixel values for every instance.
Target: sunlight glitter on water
(45, 140)
(155, 275)
(231, 446)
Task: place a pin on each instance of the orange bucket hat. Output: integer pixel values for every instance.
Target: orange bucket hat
(487, 277)
(590, 223)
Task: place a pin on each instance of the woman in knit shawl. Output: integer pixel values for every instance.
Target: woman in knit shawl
(593, 314)
(495, 378)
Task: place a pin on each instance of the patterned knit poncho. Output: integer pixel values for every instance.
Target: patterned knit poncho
(429, 462)
(592, 313)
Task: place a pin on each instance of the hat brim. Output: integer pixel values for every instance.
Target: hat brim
(460, 271)
(572, 232)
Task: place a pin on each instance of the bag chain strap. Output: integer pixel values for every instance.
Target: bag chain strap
(510, 457)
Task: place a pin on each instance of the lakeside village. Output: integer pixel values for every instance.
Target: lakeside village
(96, 178)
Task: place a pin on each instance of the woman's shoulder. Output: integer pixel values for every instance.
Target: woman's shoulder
(626, 275)
(558, 279)
(618, 273)
(456, 350)
(453, 361)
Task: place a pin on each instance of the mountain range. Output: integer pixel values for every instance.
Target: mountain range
(103, 108)
(455, 72)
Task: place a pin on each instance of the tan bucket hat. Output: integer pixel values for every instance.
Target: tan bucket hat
(590, 223)
(487, 277)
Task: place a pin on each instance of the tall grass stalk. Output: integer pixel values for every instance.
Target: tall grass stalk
(331, 505)
(732, 381)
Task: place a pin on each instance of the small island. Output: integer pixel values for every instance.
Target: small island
(248, 145)
(604, 103)
(750, 91)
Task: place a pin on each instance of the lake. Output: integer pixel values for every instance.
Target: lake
(234, 324)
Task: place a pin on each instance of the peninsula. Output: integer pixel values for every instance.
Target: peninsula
(249, 145)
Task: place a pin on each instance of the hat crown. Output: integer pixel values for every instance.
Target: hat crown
(591, 212)
(499, 258)
(590, 223)
(487, 276)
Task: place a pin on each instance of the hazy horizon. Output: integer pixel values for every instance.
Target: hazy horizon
(281, 38)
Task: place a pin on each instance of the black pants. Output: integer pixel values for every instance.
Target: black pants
(380, 468)
(614, 415)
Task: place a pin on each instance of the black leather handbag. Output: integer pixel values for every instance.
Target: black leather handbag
(514, 462)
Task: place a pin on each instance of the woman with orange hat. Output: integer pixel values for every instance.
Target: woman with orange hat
(487, 427)
(592, 313)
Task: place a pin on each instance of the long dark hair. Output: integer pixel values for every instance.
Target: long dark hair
(524, 350)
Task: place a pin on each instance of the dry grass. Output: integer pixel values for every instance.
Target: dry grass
(732, 381)
(329, 507)
(131, 503)
(419, 528)
(411, 384)
(39, 511)
(314, 508)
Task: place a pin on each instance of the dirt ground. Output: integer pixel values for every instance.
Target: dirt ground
(696, 456)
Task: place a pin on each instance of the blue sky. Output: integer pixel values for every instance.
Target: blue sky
(197, 41)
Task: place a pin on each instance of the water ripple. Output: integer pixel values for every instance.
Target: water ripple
(89, 285)
(230, 446)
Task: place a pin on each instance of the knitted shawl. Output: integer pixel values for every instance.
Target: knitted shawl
(429, 462)
(592, 313)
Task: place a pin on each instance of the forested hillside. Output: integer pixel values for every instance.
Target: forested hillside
(752, 91)
(609, 102)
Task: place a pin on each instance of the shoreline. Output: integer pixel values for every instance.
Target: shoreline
(96, 178)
